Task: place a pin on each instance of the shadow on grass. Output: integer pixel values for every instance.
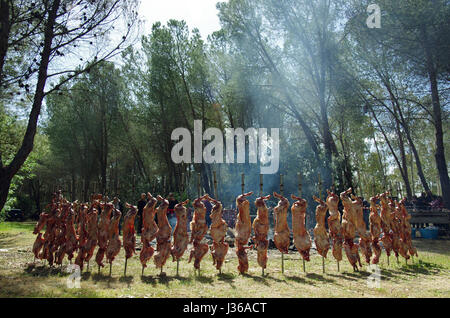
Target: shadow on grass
(45, 271)
(298, 279)
(319, 277)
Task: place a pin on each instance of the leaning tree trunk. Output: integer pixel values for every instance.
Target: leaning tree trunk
(441, 164)
(8, 172)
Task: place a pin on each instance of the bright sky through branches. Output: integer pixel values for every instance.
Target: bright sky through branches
(201, 14)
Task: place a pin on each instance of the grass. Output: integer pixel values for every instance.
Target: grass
(429, 276)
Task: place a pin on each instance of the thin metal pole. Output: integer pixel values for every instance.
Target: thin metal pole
(243, 182)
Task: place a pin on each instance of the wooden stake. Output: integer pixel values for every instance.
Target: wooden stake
(304, 266)
(215, 184)
(282, 263)
(198, 185)
(88, 266)
(110, 269)
(299, 175)
(260, 185)
(337, 265)
(125, 271)
(142, 271)
(323, 264)
(178, 265)
(281, 185)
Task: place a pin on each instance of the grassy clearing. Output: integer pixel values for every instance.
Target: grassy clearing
(429, 276)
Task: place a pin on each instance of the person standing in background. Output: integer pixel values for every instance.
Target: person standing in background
(171, 212)
(140, 205)
(208, 207)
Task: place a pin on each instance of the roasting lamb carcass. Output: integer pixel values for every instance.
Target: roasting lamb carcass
(364, 236)
(149, 230)
(349, 230)
(71, 236)
(321, 238)
(163, 236)
(114, 242)
(386, 238)
(406, 231)
(334, 225)
(243, 230)
(103, 226)
(87, 240)
(218, 230)
(198, 225)
(199, 229)
(180, 235)
(375, 229)
(398, 231)
(37, 245)
(129, 232)
(261, 230)
(302, 240)
(282, 232)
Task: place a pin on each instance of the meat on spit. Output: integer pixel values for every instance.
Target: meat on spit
(334, 225)
(349, 229)
(321, 238)
(163, 246)
(243, 230)
(219, 227)
(261, 230)
(361, 229)
(406, 231)
(385, 215)
(302, 240)
(114, 242)
(149, 230)
(375, 229)
(180, 234)
(199, 228)
(129, 232)
(281, 236)
(399, 241)
(103, 226)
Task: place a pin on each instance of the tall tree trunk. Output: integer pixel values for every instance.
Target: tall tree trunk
(441, 164)
(5, 28)
(8, 172)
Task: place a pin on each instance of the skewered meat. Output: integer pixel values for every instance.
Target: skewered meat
(49, 236)
(302, 240)
(59, 246)
(87, 240)
(321, 238)
(219, 227)
(334, 225)
(71, 236)
(103, 225)
(243, 230)
(398, 231)
(198, 231)
(149, 230)
(180, 235)
(37, 245)
(375, 229)
(386, 239)
(163, 236)
(361, 229)
(261, 229)
(129, 233)
(282, 232)
(349, 230)
(92, 233)
(41, 222)
(114, 242)
(406, 231)
(199, 228)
